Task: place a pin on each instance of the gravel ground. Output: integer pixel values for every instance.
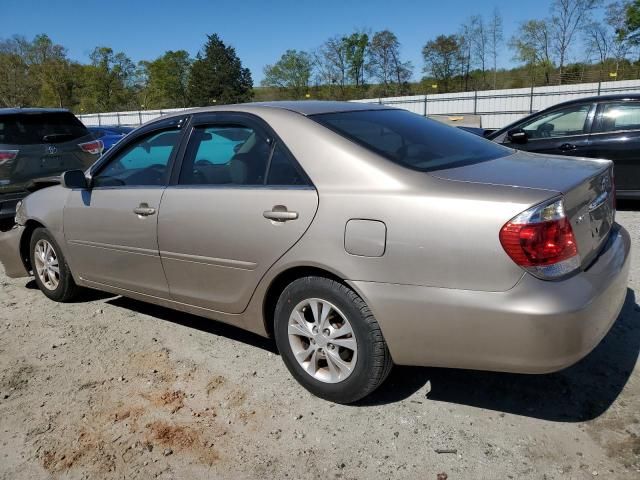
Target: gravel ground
(113, 388)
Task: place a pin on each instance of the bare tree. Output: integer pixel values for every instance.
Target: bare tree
(479, 43)
(442, 59)
(385, 63)
(496, 38)
(568, 17)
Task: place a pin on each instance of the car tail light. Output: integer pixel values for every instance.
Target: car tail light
(541, 241)
(93, 147)
(7, 155)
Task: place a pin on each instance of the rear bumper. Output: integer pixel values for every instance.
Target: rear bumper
(536, 327)
(10, 253)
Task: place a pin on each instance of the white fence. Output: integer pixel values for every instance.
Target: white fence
(496, 108)
(132, 119)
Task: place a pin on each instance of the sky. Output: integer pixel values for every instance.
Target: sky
(260, 31)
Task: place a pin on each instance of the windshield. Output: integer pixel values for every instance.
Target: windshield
(37, 128)
(410, 139)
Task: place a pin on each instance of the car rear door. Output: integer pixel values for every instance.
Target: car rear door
(563, 131)
(111, 228)
(616, 137)
(239, 202)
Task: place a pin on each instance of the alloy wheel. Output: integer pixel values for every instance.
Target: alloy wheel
(322, 340)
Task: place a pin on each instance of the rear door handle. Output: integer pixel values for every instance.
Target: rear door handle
(567, 147)
(279, 213)
(144, 210)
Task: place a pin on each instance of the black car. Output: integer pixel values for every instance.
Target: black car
(36, 143)
(597, 127)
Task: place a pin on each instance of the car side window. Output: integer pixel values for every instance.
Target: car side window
(559, 123)
(283, 170)
(145, 162)
(229, 154)
(619, 117)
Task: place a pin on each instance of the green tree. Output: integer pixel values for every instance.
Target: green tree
(292, 72)
(355, 48)
(217, 75)
(442, 59)
(166, 80)
(109, 81)
(533, 47)
(632, 22)
(18, 87)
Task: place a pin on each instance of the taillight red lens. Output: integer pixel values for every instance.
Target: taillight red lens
(539, 244)
(7, 155)
(94, 147)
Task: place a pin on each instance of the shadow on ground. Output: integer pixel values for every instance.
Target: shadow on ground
(195, 322)
(579, 393)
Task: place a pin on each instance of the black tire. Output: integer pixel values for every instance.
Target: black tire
(373, 362)
(66, 289)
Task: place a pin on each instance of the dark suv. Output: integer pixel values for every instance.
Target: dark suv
(598, 127)
(37, 143)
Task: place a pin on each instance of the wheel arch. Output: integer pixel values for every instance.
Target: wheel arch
(280, 282)
(25, 240)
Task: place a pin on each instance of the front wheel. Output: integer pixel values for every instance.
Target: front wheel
(329, 340)
(50, 268)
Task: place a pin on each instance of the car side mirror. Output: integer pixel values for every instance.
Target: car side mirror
(74, 179)
(517, 135)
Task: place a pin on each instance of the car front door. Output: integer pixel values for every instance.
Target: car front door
(239, 203)
(564, 131)
(616, 137)
(111, 227)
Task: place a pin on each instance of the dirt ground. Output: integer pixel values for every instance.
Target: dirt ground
(112, 388)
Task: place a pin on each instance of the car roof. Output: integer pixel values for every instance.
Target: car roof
(599, 98)
(11, 111)
(302, 107)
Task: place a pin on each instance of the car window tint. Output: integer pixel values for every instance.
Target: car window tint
(559, 123)
(283, 170)
(40, 127)
(410, 139)
(143, 163)
(620, 116)
(226, 155)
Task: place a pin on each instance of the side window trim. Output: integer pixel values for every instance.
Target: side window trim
(251, 120)
(119, 147)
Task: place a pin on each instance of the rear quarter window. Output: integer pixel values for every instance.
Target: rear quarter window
(411, 140)
(32, 128)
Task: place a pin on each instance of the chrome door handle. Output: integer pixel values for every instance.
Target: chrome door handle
(144, 210)
(279, 213)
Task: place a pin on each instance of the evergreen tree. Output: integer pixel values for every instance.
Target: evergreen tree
(218, 77)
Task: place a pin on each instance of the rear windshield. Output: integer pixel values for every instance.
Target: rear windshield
(410, 139)
(35, 128)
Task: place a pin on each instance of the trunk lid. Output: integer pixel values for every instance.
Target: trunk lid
(585, 184)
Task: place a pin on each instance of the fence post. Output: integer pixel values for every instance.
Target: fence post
(139, 117)
(425, 105)
(475, 102)
(99, 120)
(599, 86)
(118, 117)
(531, 100)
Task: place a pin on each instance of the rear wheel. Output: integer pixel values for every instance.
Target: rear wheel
(329, 340)
(50, 268)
